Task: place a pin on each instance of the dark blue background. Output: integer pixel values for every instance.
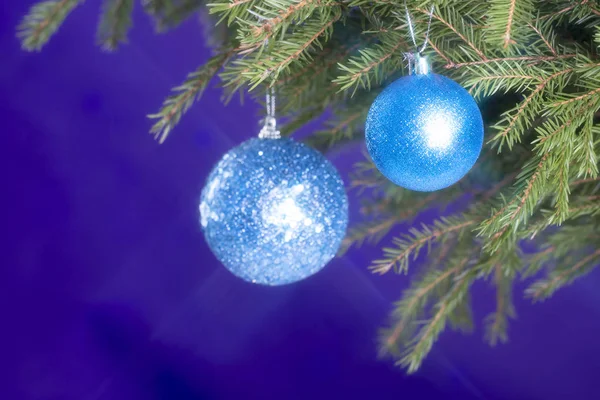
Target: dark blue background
(108, 290)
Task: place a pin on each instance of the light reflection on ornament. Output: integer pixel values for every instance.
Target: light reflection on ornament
(439, 127)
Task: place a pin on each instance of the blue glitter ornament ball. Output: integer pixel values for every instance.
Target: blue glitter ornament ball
(424, 132)
(274, 211)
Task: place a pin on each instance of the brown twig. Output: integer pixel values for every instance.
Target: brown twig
(583, 96)
(588, 180)
(511, 13)
(535, 59)
(43, 24)
(543, 38)
(439, 52)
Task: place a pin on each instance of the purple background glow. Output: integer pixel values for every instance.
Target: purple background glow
(108, 290)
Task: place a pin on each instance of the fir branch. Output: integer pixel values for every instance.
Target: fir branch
(449, 63)
(276, 16)
(313, 69)
(412, 211)
(528, 191)
(516, 121)
(496, 323)
(589, 206)
(488, 79)
(301, 49)
(115, 21)
(266, 25)
(231, 10)
(572, 10)
(584, 96)
(313, 82)
(410, 244)
(414, 300)
(561, 11)
(544, 288)
(424, 340)
(258, 67)
(544, 39)
(42, 21)
(530, 59)
(185, 95)
(345, 83)
(346, 128)
(170, 13)
(370, 232)
(584, 181)
(469, 43)
(538, 260)
(509, 23)
(372, 63)
(506, 23)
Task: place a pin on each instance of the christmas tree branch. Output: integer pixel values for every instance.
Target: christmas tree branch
(507, 20)
(546, 41)
(544, 288)
(274, 18)
(528, 190)
(411, 243)
(453, 28)
(347, 127)
(531, 60)
(115, 21)
(423, 342)
(511, 12)
(42, 21)
(497, 323)
(517, 120)
(374, 63)
(169, 13)
(415, 299)
(371, 232)
(256, 68)
(583, 181)
(537, 262)
(185, 95)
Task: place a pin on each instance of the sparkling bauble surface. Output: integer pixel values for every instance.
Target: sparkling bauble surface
(424, 132)
(274, 211)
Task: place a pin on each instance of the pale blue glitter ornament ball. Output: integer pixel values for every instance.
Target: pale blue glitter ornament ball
(424, 132)
(274, 211)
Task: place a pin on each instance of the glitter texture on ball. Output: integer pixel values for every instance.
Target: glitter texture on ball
(424, 132)
(274, 211)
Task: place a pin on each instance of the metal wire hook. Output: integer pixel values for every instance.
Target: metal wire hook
(412, 30)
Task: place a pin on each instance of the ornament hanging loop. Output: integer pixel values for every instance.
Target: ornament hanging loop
(269, 129)
(417, 64)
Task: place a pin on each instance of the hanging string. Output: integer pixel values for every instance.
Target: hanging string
(269, 130)
(411, 29)
(416, 63)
